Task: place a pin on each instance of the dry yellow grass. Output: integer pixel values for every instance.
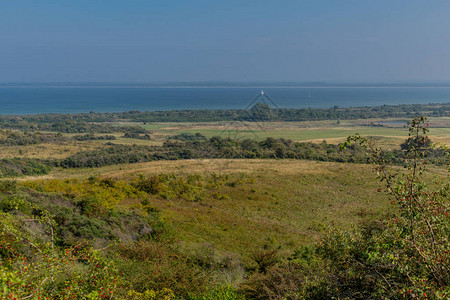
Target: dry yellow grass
(192, 166)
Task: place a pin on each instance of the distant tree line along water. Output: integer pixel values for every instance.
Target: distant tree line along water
(100, 122)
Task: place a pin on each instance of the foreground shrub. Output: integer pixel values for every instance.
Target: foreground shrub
(157, 266)
(404, 255)
(33, 269)
(409, 255)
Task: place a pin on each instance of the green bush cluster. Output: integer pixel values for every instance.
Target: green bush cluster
(19, 167)
(137, 136)
(185, 136)
(93, 137)
(218, 147)
(215, 147)
(9, 137)
(63, 124)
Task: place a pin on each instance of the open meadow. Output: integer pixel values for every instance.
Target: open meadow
(390, 132)
(275, 203)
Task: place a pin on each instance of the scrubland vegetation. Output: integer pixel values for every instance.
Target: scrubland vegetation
(201, 217)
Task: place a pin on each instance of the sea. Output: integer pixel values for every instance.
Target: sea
(20, 100)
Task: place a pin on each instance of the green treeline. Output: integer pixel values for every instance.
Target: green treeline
(23, 138)
(63, 124)
(86, 122)
(92, 137)
(215, 147)
(12, 138)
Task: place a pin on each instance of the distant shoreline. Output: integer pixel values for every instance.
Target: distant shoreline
(223, 87)
(230, 113)
(36, 99)
(254, 84)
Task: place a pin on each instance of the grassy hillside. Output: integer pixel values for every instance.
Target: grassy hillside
(218, 228)
(271, 203)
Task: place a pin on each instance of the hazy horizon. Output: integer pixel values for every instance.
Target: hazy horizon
(233, 41)
(319, 83)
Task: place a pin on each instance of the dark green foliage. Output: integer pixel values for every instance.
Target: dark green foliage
(221, 293)
(116, 154)
(63, 123)
(414, 142)
(43, 224)
(303, 276)
(265, 259)
(188, 137)
(260, 112)
(190, 187)
(92, 137)
(76, 223)
(216, 147)
(28, 138)
(97, 122)
(137, 136)
(8, 186)
(20, 167)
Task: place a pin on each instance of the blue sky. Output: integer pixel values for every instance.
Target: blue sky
(246, 40)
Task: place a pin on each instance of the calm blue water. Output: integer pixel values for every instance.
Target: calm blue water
(33, 100)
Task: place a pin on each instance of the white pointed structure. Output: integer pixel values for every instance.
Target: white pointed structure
(263, 98)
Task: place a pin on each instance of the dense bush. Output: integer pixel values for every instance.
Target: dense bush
(137, 136)
(92, 137)
(33, 266)
(19, 167)
(62, 124)
(158, 266)
(9, 137)
(216, 147)
(188, 137)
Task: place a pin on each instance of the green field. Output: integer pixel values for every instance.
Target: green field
(294, 210)
(315, 131)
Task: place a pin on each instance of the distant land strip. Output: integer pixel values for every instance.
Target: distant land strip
(256, 84)
(258, 113)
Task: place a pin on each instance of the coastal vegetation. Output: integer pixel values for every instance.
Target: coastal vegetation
(198, 147)
(198, 217)
(100, 122)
